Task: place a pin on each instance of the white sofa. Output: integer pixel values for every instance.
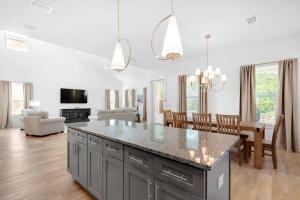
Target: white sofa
(126, 114)
(38, 123)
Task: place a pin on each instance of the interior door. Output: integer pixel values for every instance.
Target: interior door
(158, 96)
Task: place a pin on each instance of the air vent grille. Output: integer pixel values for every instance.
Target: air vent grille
(43, 5)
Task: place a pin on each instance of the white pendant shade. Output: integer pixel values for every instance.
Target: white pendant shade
(197, 72)
(118, 58)
(172, 47)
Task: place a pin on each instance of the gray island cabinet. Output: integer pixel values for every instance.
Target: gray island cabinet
(119, 160)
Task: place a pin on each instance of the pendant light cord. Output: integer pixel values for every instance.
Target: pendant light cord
(172, 6)
(118, 20)
(207, 38)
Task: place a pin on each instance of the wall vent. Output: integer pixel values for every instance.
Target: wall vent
(42, 5)
(16, 42)
(251, 20)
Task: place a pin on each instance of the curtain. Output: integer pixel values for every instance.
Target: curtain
(202, 108)
(182, 107)
(133, 98)
(287, 70)
(247, 93)
(107, 99)
(117, 101)
(28, 94)
(126, 99)
(145, 104)
(5, 104)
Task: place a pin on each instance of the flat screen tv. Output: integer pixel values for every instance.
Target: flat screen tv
(73, 96)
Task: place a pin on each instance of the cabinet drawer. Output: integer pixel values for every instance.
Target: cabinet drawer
(113, 149)
(95, 142)
(138, 159)
(185, 177)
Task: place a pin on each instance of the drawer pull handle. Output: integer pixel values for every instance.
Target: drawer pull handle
(111, 149)
(156, 191)
(149, 190)
(79, 137)
(169, 173)
(139, 161)
(91, 141)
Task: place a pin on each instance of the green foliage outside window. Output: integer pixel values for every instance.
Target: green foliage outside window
(266, 93)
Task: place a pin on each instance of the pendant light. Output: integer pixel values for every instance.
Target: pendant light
(118, 64)
(211, 80)
(172, 46)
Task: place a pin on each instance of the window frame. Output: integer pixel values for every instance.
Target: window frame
(270, 94)
(14, 100)
(192, 97)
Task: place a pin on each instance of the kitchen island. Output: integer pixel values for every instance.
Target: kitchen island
(120, 160)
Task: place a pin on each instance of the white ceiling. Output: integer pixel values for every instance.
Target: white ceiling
(90, 25)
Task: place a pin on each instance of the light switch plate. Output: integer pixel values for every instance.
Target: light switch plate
(220, 181)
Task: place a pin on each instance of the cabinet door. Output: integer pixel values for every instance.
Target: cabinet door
(138, 184)
(95, 172)
(166, 191)
(81, 163)
(112, 178)
(71, 161)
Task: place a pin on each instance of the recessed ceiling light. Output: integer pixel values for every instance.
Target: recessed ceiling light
(43, 5)
(251, 20)
(16, 41)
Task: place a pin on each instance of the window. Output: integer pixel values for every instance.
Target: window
(267, 89)
(17, 98)
(112, 99)
(129, 98)
(192, 100)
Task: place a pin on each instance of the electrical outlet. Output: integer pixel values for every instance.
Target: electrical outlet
(220, 181)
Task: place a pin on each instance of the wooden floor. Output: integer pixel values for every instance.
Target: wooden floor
(35, 168)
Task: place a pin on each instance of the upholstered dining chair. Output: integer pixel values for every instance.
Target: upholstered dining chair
(180, 119)
(202, 121)
(168, 118)
(268, 145)
(230, 124)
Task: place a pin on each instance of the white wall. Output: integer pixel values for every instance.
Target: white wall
(229, 59)
(51, 67)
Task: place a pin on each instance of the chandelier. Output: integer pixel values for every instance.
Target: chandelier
(118, 64)
(172, 46)
(210, 79)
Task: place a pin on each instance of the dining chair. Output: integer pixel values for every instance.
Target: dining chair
(202, 121)
(268, 145)
(180, 119)
(168, 118)
(230, 124)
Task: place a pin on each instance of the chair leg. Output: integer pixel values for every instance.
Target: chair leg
(274, 158)
(240, 155)
(246, 152)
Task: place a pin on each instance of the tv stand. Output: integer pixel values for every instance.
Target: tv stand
(75, 114)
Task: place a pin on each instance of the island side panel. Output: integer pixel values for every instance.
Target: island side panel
(218, 180)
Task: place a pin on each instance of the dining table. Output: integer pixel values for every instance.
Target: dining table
(258, 130)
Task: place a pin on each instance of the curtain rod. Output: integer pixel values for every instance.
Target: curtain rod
(265, 63)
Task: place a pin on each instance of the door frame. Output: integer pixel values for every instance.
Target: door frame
(164, 96)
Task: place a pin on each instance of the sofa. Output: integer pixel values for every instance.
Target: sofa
(37, 123)
(126, 114)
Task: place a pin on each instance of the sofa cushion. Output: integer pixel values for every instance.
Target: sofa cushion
(104, 112)
(129, 110)
(42, 114)
(53, 120)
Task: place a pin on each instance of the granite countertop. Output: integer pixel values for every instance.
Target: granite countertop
(198, 149)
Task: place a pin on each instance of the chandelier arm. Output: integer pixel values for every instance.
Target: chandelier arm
(153, 35)
(129, 57)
